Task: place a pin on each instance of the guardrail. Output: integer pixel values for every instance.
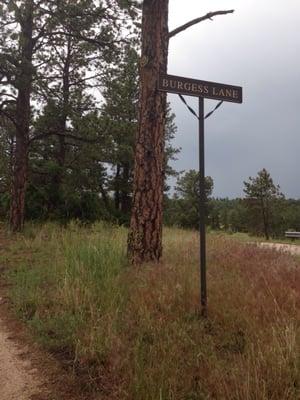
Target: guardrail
(292, 235)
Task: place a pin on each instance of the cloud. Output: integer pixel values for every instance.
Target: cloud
(257, 47)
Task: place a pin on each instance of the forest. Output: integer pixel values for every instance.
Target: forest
(68, 119)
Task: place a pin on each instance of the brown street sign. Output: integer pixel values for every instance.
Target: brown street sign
(194, 87)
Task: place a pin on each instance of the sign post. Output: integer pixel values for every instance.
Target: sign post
(210, 90)
(203, 295)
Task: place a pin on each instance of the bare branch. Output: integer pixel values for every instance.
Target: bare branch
(195, 21)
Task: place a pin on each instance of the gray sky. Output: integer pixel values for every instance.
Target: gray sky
(258, 48)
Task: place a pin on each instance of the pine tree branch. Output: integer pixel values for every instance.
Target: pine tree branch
(40, 34)
(78, 82)
(9, 95)
(17, 11)
(8, 116)
(6, 102)
(195, 21)
(66, 135)
(7, 23)
(97, 42)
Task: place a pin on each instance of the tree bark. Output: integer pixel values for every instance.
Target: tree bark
(265, 215)
(117, 188)
(58, 178)
(124, 196)
(24, 86)
(65, 107)
(145, 234)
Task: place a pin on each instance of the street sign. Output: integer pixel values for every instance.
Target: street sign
(194, 87)
(210, 90)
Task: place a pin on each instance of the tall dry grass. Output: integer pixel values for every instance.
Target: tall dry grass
(136, 333)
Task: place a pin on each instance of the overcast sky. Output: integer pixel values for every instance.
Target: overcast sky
(258, 48)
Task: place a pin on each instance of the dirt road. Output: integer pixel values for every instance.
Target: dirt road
(286, 248)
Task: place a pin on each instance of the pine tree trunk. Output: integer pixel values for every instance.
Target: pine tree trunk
(24, 84)
(124, 196)
(145, 235)
(117, 188)
(65, 109)
(18, 190)
(58, 178)
(265, 213)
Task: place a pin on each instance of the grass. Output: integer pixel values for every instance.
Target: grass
(136, 334)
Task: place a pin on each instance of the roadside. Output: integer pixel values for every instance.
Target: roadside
(283, 245)
(26, 371)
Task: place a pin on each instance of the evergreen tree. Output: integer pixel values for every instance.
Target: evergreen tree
(120, 111)
(261, 195)
(183, 209)
(21, 29)
(120, 93)
(30, 33)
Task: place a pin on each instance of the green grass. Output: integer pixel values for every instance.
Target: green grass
(136, 333)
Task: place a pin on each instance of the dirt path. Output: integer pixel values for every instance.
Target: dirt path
(286, 248)
(18, 379)
(26, 371)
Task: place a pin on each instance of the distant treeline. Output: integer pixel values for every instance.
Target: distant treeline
(234, 215)
(266, 214)
(264, 211)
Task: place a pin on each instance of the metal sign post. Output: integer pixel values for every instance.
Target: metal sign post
(202, 213)
(215, 91)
